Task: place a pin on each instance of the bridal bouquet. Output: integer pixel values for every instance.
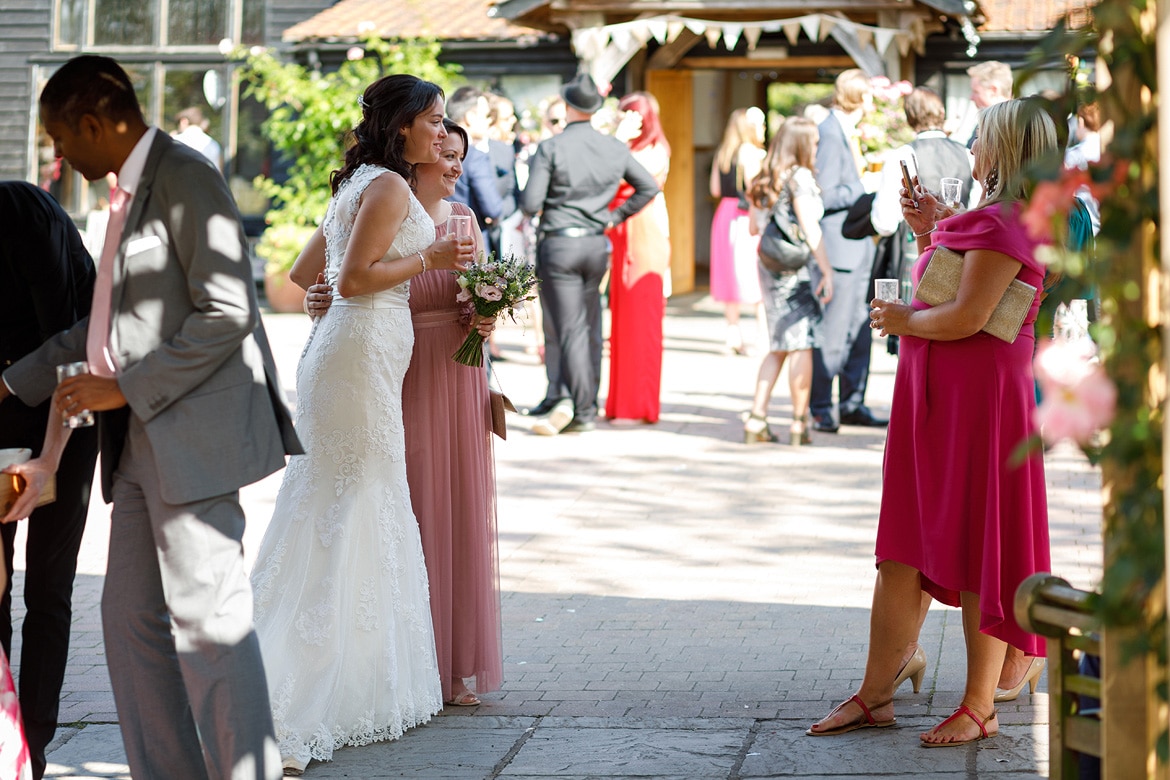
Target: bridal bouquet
(492, 285)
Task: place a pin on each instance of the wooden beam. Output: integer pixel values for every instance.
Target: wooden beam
(828, 62)
(675, 90)
(670, 54)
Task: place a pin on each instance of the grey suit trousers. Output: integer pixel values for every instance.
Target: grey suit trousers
(183, 658)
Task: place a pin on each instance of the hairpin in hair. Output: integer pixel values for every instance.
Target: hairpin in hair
(362, 103)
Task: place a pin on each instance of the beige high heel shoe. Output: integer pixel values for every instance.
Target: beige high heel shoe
(914, 670)
(1031, 678)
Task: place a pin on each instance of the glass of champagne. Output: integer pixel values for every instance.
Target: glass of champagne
(459, 226)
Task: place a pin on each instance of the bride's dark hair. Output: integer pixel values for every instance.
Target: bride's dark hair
(388, 105)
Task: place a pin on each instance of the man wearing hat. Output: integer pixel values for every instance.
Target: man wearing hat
(572, 179)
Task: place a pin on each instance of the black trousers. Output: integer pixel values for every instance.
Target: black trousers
(54, 538)
(851, 382)
(570, 270)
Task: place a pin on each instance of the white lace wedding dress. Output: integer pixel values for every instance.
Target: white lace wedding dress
(340, 587)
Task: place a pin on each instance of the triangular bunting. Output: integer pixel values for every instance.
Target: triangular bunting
(731, 33)
(882, 38)
(621, 37)
(752, 36)
(657, 29)
(713, 35)
(673, 29)
(811, 26)
(792, 32)
(695, 26)
(864, 36)
(827, 25)
(903, 43)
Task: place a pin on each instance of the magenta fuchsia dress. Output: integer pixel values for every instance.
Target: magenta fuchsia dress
(447, 417)
(953, 506)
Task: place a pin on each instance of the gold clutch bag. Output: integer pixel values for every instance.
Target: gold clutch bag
(940, 284)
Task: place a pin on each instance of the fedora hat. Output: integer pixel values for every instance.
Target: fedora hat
(581, 93)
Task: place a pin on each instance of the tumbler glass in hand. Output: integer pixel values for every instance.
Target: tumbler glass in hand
(459, 226)
(951, 189)
(886, 289)
(84, 418)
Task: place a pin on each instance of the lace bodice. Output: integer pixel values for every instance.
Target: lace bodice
(417, 233)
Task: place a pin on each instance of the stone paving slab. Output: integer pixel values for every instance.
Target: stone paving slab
(675, 604)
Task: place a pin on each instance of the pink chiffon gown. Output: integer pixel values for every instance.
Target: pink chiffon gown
(449, 466)
(953, 506)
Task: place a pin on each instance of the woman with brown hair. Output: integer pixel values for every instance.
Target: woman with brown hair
(790, 303)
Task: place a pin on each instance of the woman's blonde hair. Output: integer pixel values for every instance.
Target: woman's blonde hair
(1011, 136)
(741, 129)
(795, 146)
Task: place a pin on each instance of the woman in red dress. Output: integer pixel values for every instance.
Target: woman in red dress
(639, 275)
(960, 520)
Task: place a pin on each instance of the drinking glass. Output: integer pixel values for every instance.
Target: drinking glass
(951, 188)
(886, 289)
(84, 418)
(459, 226)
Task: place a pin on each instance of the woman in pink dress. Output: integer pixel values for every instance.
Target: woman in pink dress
(449, 465)
(959, 519)
(14, 756)
(734, 280)
(449, 460)
(639, 280)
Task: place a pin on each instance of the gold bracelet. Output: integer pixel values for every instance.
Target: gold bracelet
(422, 260)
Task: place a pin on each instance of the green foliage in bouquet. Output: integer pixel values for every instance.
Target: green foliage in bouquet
(492, 286)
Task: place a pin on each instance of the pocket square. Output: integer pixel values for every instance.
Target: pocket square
(139, 245)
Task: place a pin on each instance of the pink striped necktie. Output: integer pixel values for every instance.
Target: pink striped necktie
(97, 342)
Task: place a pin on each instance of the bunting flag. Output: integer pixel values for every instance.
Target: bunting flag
(590, 42)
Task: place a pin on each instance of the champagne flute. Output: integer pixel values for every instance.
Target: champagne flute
(84, 418)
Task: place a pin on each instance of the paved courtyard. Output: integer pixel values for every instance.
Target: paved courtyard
(676, 604)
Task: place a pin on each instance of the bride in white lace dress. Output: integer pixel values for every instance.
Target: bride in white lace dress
(340, 586)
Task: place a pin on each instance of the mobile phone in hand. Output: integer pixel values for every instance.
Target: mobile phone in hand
(908, 181)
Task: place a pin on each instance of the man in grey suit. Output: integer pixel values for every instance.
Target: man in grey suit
(843, 335)
(190, 410)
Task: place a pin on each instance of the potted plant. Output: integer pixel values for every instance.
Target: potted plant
(278, 248)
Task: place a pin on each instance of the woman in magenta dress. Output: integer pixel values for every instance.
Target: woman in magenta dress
(959, 519)
(449, 465)
(639, 281)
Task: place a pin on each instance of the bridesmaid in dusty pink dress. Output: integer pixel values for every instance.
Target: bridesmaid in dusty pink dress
(449, 461)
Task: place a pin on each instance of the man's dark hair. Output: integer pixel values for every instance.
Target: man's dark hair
(462, 101)
(89, 84)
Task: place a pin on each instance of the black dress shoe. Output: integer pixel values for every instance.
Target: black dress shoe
(863, 417)
(580, 426)
(824, 424)
(541, 409)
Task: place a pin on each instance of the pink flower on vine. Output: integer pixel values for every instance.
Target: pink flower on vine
(1078, 398)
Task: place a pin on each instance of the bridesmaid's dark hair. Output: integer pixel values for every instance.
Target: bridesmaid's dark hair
(453, 128)
(388, 105)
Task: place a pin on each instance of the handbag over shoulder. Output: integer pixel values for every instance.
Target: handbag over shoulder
(783, 247)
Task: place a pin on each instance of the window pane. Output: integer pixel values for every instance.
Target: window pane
(70, 22)
(253, 30)
(124, 22)
(196, 22)
(253, 157)
(183, 93)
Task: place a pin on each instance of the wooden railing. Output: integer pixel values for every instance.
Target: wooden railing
(1049, 606)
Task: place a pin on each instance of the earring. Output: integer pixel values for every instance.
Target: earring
(991, 181)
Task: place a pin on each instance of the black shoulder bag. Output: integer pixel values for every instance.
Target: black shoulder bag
(783, 248)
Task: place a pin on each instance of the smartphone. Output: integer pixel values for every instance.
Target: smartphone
(908, 181)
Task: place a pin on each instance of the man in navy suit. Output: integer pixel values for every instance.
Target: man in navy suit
(843, 337)
(478, 186)
(43, 263)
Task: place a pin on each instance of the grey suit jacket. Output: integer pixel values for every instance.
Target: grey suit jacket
(840, 187)
(196, 368)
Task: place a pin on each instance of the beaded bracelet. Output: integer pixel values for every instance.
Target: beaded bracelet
(926, 233)
(423, 260)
